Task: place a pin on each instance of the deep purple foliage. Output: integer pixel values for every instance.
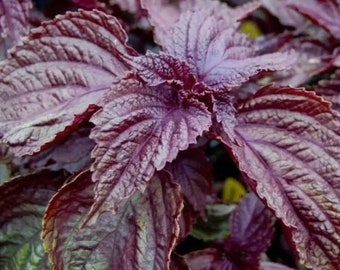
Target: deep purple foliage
(134, 130)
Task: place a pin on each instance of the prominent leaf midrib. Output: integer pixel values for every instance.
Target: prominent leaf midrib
(76, 226)
(327, 18)
(273, 130)
(124, 97)
(287, 200)
(157, 126)
(59, 107)
(260, 158)
(211, 39)
(126, 115)
(79, 22)
(297, 160)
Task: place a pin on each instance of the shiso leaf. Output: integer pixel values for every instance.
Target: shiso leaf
(14, 19)
(157, 68)
(22, 206)
(324, 13)
(288, 148)
(251, 230)
(55, 80)
(163, 14)
(193, 172)
(140, 235)
(330, 90)
(217, 52)
(136, 138)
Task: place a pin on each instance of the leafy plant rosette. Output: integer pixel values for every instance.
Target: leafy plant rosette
(121, 135)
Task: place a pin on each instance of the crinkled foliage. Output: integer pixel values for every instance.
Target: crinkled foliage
(22, 205)
(78, 147)
(14, 19)
(55, 80)
(153, 116)
(139, 236)
(288, 146)
(163, 14)
(218, 54)
(136, 138)
(193, 172)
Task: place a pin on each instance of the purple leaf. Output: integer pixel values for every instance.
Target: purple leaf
(186, 221)
(288, 147)
(207, 259)
(178, 263)
(136, 138)
(14, 19)
(22, 206)
(324, 13)
(273, 266)
(72, 154)
(218, 54)
(330, 90)
(193, 172)
(312, 59)
(158, 68)
(49, 83)
(140, 235)
(163, 14)
(286, 14)
(251, 230)
(88, 4)
(336, 57)
(225, 114)
(272, 42)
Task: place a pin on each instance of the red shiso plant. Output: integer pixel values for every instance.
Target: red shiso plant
(108, 111)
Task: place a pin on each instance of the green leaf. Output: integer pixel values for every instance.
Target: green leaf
(216, 226)
(22, 206)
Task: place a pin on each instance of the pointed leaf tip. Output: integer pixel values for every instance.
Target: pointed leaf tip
(218, 54)
(135, 139)
(251, 230)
